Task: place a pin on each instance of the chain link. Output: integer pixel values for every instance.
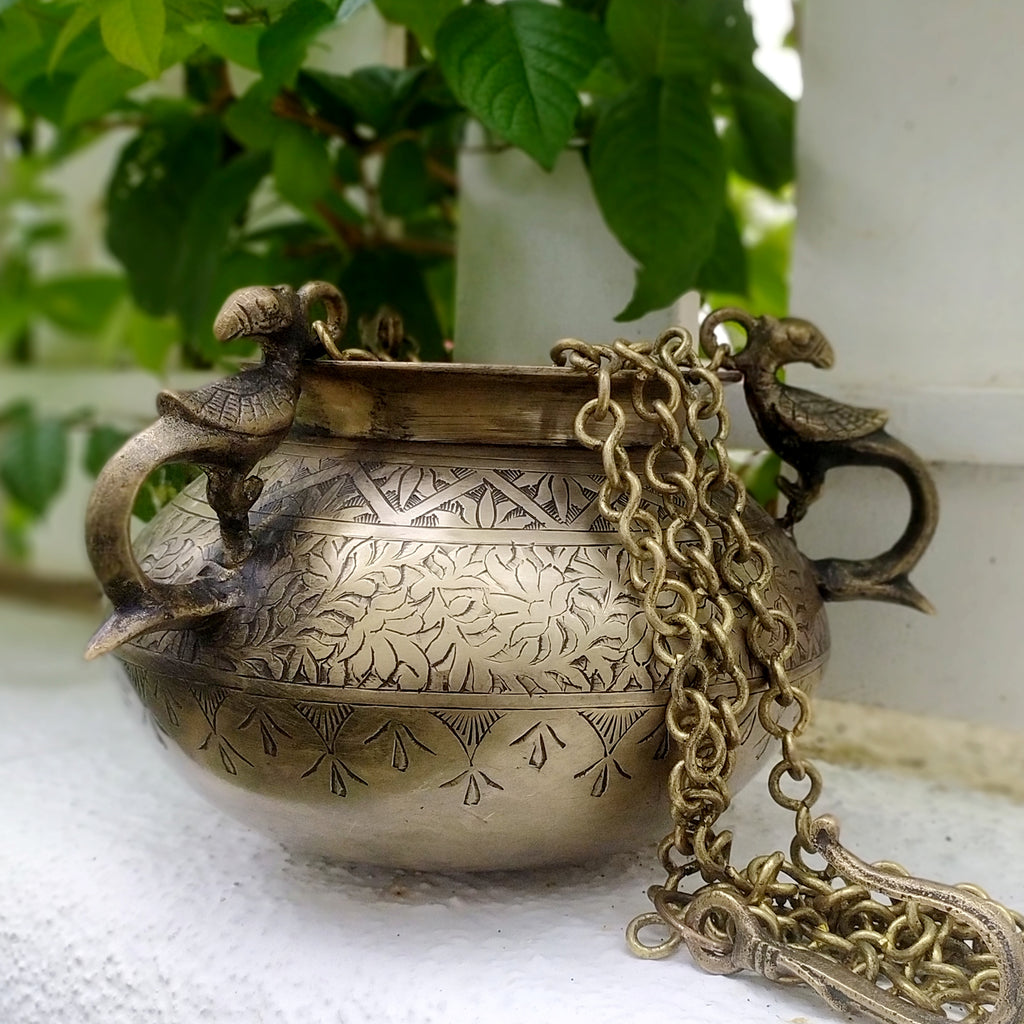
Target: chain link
(693, 553)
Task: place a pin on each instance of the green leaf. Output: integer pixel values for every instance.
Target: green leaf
(383, 277)
(725, 270)
(33, 457)
(81, 18)
(15, 317)
(160, 487)
(16, 529)
(178, 46)
(440, 281)
(660, 37)
(214, 211)
(658, 172)
(768, 262)
(518, 67)
(100, 443)
(251, 121)
(17, 411)
(22, 48)
(347, 165)
(185, 12)
(596, 7)
(605, 79)
(760, 480)
(236, 43)
(696, 38)
(370, 96)
(16, 309)
(80, 302)
(763, 130)
(45, 231)
(150, 198)
(46, 96)
(404, 182)
(133, 32)
(98, 90)
(192, 12)
(282, 47)
(302, 168)
(731, 31)
(421, 17)
(150, 339)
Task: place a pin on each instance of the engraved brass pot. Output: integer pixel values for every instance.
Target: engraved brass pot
(427, 654)
(440, 663)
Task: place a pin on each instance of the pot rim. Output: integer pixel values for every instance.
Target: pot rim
(359, 367)
(454, 403)
(467, 403)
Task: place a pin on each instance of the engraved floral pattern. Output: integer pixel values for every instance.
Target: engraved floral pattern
(524, 611)
(461, 618)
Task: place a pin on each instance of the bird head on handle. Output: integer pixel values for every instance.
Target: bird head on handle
(799, 341)
(278, 317)
(770, 341)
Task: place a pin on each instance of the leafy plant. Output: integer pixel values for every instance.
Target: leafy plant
(259, 166)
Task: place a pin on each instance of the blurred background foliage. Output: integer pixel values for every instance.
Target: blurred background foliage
(244, 157)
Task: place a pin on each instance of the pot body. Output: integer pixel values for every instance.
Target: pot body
(440, 663)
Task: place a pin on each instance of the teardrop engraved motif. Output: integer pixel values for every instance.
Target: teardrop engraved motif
(610, 724)
(328, 720)
(399, 734)
(542, 735)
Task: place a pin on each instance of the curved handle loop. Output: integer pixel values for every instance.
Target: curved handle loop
(886, 576)
(142, 604)
(225, 428)
(815, 434)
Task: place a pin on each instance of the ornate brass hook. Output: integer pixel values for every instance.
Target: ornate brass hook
(754, 950)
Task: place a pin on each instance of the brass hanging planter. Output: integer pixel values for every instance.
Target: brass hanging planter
(437, 631)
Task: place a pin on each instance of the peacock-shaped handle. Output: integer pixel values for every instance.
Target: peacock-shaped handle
(225, 428)
(815, 434)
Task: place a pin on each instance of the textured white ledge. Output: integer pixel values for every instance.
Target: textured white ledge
(127, 900)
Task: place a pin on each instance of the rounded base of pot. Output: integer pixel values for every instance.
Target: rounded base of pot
(390, 835)
(427, 781)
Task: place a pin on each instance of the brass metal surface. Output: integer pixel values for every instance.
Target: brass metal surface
(434, 634)
(815, 434)
(226, 428)
(867, 939)
(441, 663)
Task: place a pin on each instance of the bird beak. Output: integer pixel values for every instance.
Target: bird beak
(232, 322)
(254, 311)
(824, 358)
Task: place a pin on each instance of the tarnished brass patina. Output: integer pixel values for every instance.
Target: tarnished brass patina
(226, 428)
(869, 940)
(815, 434)
(451, 625)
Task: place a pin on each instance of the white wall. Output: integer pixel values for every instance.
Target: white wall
(536, 262)
(908, 255)
(911, 210)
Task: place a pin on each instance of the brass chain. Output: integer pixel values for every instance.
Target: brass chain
(694, 552)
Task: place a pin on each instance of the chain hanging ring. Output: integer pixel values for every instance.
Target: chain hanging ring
(777, 915)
